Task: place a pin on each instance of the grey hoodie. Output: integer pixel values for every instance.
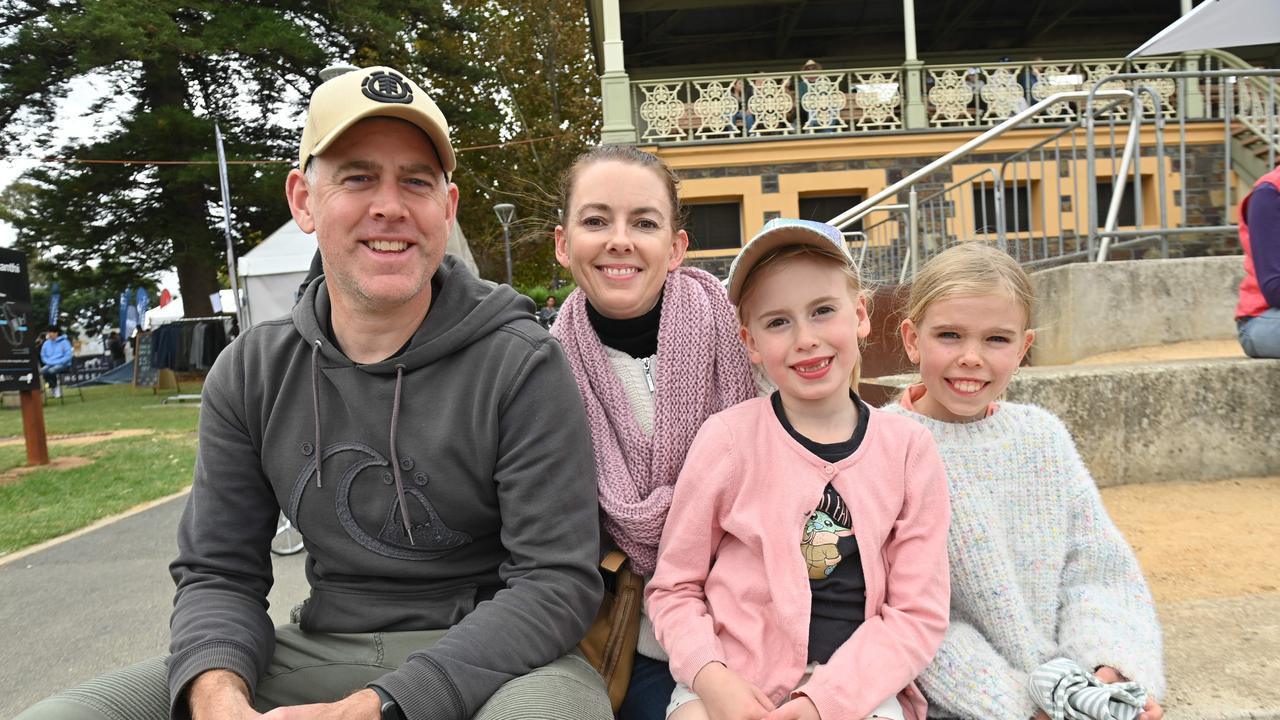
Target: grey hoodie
(475, 431)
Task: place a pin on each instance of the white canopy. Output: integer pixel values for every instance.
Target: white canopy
(273, 271)
(157, 316)
(1217, 24)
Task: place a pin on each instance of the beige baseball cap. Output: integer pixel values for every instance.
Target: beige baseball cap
(342, 101)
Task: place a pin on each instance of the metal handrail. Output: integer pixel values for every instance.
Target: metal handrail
(1135, 126)
(858, 211)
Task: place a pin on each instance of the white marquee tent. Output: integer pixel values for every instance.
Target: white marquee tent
(271, 273)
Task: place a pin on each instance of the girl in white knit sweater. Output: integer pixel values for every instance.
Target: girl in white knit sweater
(1038, 569)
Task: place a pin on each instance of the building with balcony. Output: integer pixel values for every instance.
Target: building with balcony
(807, 108)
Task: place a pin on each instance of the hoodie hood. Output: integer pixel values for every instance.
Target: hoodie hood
(463, 310)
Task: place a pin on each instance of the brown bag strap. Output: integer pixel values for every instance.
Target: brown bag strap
(614, 561)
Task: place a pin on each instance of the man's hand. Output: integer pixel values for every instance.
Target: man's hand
(219, 695)
(727, 696)
(800, 708)
(1040, 715)
(362, 705)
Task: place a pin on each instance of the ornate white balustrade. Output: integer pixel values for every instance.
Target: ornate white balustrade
(769, 105)
(984, 95)
(855, 101)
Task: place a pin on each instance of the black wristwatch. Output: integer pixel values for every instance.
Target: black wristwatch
(387, 705)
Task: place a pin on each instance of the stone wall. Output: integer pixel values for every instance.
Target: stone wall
(1181, 421)
(1090, 308)
(1185, 421)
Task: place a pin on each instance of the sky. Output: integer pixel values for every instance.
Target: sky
(72, 123)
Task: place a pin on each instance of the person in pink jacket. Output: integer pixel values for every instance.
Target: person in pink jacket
(802, 571)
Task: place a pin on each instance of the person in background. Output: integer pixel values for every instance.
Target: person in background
(654, 347)
(115, 346)
(55, 358)
(802, 573)
(547, 313)
(1258, 310)
(808, 119)
(1038, 569)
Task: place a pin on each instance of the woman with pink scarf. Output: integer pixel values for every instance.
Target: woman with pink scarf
(655, 349)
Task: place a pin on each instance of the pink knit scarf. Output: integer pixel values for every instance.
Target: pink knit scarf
(702, 369)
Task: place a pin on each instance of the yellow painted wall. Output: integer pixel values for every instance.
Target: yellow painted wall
(792, 187)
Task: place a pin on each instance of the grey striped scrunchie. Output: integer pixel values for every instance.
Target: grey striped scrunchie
(1067, 691)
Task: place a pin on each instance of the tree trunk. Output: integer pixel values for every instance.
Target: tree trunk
(186, 227)
(197, 280)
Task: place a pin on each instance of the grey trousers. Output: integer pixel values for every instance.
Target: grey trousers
(314, 668)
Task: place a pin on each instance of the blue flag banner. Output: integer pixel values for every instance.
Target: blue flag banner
(143, 302)
(55, 298)
(124, 312)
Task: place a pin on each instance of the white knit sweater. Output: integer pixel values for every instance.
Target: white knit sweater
(1038, 569)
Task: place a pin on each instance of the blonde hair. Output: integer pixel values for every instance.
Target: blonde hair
(787, 254)
(967, 269)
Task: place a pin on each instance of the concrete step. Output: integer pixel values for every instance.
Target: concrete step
(1177, 420)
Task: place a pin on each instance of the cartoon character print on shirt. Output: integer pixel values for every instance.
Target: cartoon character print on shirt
(828, 523)
(432, 538)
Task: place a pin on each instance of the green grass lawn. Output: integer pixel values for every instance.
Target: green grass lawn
(121, 473)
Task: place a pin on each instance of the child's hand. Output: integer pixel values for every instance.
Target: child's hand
(1151, 711)
(1108, 674)
(727, 696)
(801, 708)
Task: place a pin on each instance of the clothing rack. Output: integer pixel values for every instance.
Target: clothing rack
(190, 344)
(210, 318)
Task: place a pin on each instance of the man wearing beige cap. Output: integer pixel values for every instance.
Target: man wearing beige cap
(401, 419)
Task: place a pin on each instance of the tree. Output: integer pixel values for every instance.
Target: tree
(174, 69)
(544, 85)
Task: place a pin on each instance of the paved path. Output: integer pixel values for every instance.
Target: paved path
(99, 601)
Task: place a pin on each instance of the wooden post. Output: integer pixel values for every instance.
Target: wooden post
(33, 427)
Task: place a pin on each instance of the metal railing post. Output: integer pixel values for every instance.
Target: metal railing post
(1228, 109)
(1117, 185)
(1091, 178)
(913, 230)
(1001, 238)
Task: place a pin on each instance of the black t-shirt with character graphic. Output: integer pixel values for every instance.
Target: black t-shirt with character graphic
(830, 548)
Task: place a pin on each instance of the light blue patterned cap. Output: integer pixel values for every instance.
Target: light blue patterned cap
(782, 232)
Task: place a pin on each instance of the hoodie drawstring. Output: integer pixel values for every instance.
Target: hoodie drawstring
(395, 419)
(395, 458)
(315, 399)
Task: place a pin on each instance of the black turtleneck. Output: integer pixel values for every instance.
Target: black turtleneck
(637, 336)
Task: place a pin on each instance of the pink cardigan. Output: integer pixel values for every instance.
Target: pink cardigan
(732, 586)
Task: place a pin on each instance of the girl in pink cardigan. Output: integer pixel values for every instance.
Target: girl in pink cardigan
(802, 572)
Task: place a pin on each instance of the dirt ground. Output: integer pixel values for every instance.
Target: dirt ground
(65, 462)
(81, 438)
(1192, 349)
(1203, 540)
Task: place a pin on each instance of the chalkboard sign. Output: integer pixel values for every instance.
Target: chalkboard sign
(145, 374)
(19, 369)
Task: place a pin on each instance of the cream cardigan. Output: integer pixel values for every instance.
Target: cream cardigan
(731, 584)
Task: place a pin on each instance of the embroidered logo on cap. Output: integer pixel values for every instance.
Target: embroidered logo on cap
(387, 87)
